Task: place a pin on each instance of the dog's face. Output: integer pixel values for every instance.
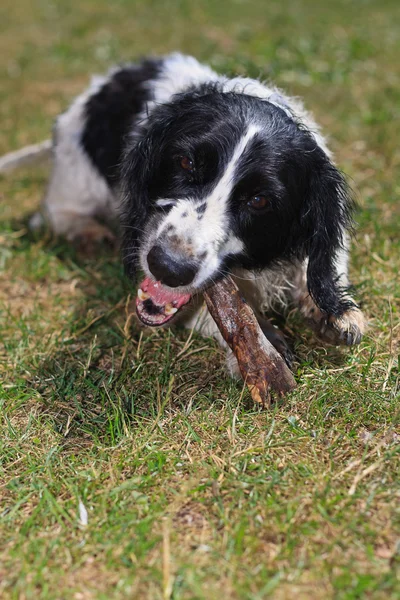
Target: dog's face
(219, 181)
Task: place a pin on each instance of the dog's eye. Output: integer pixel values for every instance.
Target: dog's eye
(258, 202)
(187, 164)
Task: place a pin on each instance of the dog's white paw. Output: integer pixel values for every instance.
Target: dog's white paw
(232, 366)
(347, 329)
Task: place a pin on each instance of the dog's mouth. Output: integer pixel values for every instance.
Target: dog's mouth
(156, 304)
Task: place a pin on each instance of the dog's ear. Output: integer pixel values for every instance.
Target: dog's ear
(327, 214)
(136, 170)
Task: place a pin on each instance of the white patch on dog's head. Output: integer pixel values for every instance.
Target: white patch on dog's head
(201, 227)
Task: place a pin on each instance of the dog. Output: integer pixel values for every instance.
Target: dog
(208, 176)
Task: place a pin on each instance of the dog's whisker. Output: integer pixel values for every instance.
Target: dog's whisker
(125, 226)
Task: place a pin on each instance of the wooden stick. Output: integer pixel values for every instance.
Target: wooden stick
(261, 366)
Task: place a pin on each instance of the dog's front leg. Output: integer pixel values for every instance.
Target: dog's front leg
(347, 328)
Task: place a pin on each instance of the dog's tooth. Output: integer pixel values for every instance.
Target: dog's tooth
(170, 310)
(142, 295)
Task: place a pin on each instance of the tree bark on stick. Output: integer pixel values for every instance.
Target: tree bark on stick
(261, 366)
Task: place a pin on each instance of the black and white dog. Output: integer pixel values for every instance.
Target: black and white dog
(214, 176)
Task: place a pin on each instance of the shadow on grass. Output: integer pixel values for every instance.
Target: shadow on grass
(107, 375)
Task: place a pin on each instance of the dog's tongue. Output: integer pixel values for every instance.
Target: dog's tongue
(161, 295)
(155, 304)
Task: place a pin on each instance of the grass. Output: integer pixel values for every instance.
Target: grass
(131, 467)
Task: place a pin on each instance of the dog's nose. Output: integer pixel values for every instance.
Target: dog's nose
(170, 269)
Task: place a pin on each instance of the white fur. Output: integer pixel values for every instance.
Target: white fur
(179, 72)
(75, 189)
(342, 262)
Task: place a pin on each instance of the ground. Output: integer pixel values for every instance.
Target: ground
(131, 467)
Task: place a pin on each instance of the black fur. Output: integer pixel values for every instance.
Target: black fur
(309, 202)
(110, 114)
(327, 215)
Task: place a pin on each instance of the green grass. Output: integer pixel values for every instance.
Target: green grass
(191, 492)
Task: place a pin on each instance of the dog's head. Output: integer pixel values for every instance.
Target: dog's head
(220, 180)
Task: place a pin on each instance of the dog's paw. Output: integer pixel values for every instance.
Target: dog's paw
(37, 222)
(278, 340)
(232, 366)
(347, 329)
